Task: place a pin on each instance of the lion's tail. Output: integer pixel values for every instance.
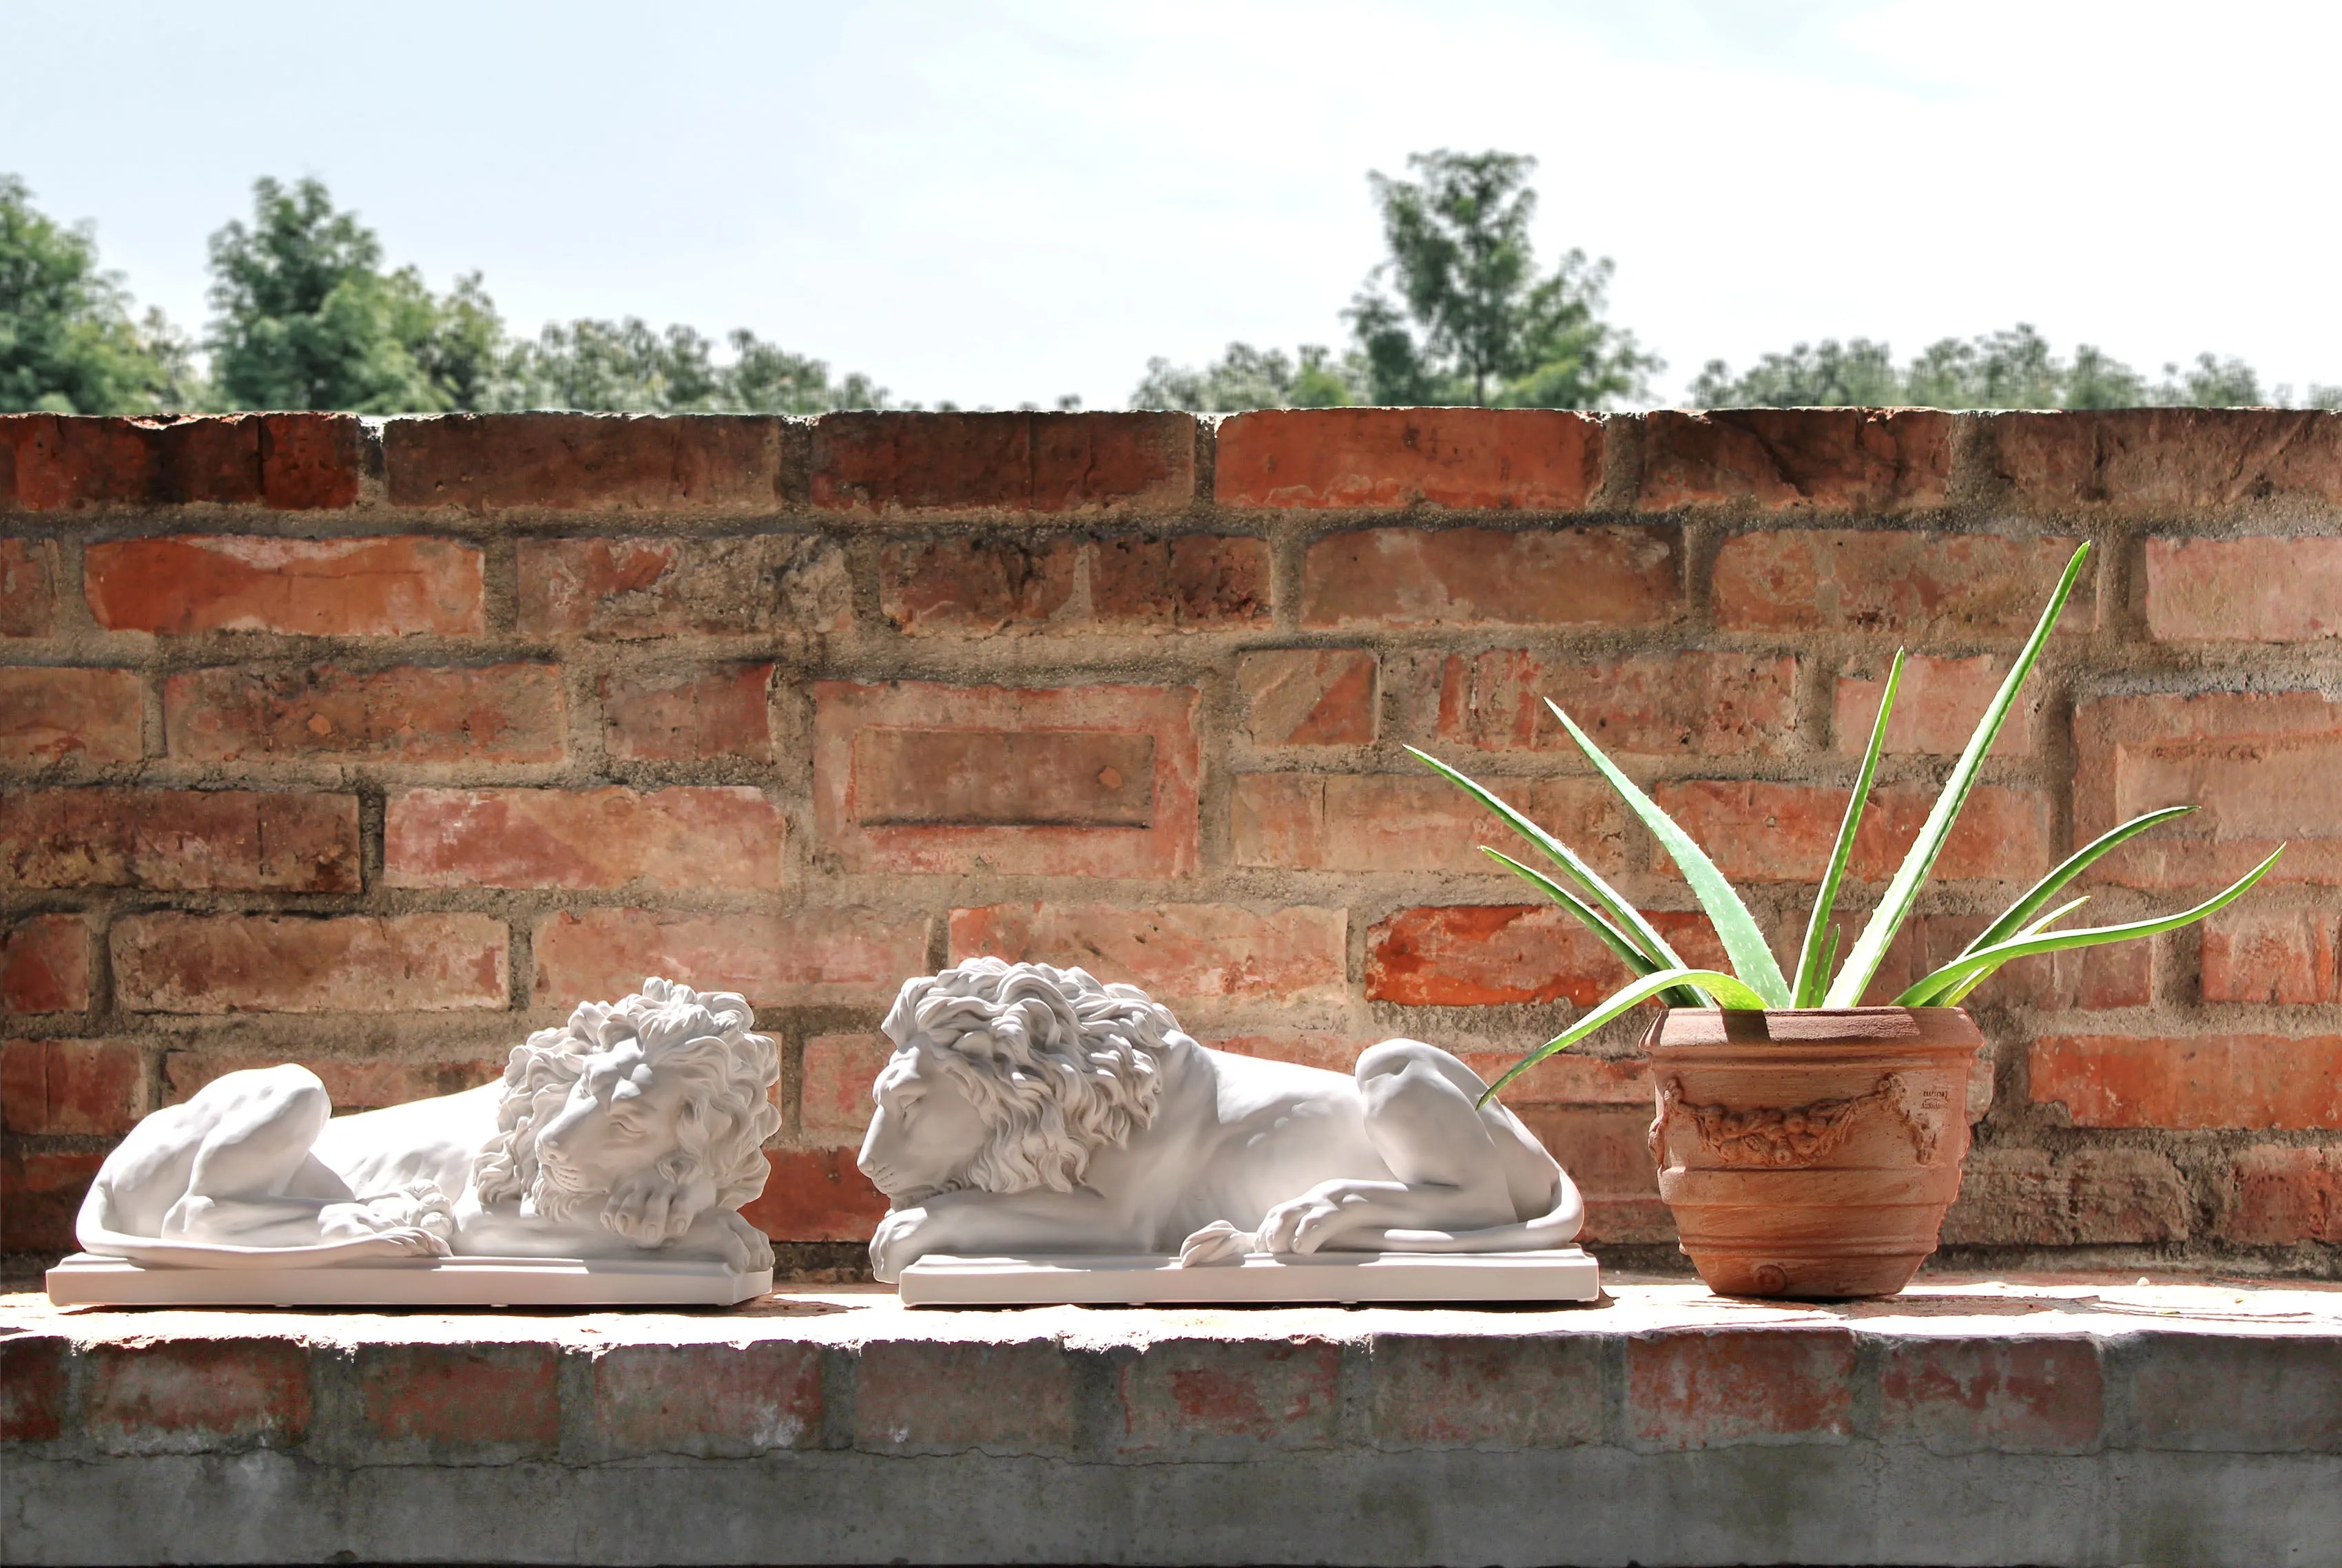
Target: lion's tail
(1556, 1227)
(97, 1236)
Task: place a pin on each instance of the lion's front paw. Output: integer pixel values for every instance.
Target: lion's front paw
(897, 1243)
(419, 1205)
(651, 1211)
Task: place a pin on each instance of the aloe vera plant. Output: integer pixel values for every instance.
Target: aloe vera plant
(1755, 980)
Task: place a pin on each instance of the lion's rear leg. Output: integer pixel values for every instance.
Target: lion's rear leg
(253, 1180)
(1451, 1171)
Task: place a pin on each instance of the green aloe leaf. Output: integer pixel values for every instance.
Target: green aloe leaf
(1743, 939)
(1958, 992)
(1903, 890)
(1677, 996)
(1624, 916)
(1813, 961)
(1726, 989)
(2071, 866)
(1923, 990)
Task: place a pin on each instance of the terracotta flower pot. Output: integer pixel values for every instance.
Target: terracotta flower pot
(1812, 1153)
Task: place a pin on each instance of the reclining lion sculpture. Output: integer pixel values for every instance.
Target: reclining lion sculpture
(1033, 1109)
(634, 1127)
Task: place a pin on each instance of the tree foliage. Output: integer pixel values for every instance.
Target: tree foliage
(68, 343)
(1474, 322)
(2015, 368)
(627, 366)
(1248, 377)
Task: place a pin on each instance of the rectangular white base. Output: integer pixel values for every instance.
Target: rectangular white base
(87, 1280)
(1561, 1274)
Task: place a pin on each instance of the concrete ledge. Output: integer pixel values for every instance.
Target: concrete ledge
(1968, 1421)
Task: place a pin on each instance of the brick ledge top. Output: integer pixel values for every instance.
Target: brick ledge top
(2008, 1308)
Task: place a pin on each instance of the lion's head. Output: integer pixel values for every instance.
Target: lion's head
(644, 1113)
(1008, 1076)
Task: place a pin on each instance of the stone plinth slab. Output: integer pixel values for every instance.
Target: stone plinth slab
(1558, 1274)
(84, 1280)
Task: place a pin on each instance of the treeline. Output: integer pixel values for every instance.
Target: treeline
(306, 315)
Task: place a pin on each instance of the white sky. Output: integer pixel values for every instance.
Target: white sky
(998, 203)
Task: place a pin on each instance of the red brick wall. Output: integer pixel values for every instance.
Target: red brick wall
(376, 744)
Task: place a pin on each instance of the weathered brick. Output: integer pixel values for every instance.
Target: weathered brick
(727, 838)
(834, 1082)
(365, 1083)
(2164, 460)
(1956, 585)
(2260, 769)
(2279, 1196)
(1017, 463)
(815, 1195)
(2120, 975)
(170, 963)
(706, 1401)
(2286, 957)
(40, 1192)
(410, 713)
(1607, 1152)
(696, 715)
(1309, 696)
(36, 1376)
(1566, 1078)
(1937, 705)
(2261, 1393)
(1829, 459)
(28, 594)
(2260, 1081)
(1401, 577)
(1475, 955)
(695, 462)
(1991, 1395)
(1182, 582)
(811, 957)
(383, 587)
(458, 1402)
(1176, 952)
(284, 462)
(1757, 832)
(2089, 1198)
(1533, 1391)
(1385, 821)
(1706, 1388)
(914, 1397)
(260, 840)
(93, 1086)
(1325, 1049)
(90, 716)
(1535, 460)
(977, 588)
(45, 965)
(768, 584)
(1076, 781)
(1646, 704)
(2256, 590)
(195, 1395)
(1209, 1396)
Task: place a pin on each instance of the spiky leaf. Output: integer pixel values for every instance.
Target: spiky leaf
(1813, 961)
(1728, 990)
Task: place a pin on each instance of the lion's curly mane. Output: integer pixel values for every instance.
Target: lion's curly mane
(700, 1037)
(1057, 1063)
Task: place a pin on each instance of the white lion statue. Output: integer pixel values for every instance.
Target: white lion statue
(1032, 1109)
(637, 1124)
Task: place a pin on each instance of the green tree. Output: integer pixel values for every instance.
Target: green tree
(2011, 369)
(1248, 377)
(1487, 328)
(68, 342)
(627, 366)
(307, 317)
